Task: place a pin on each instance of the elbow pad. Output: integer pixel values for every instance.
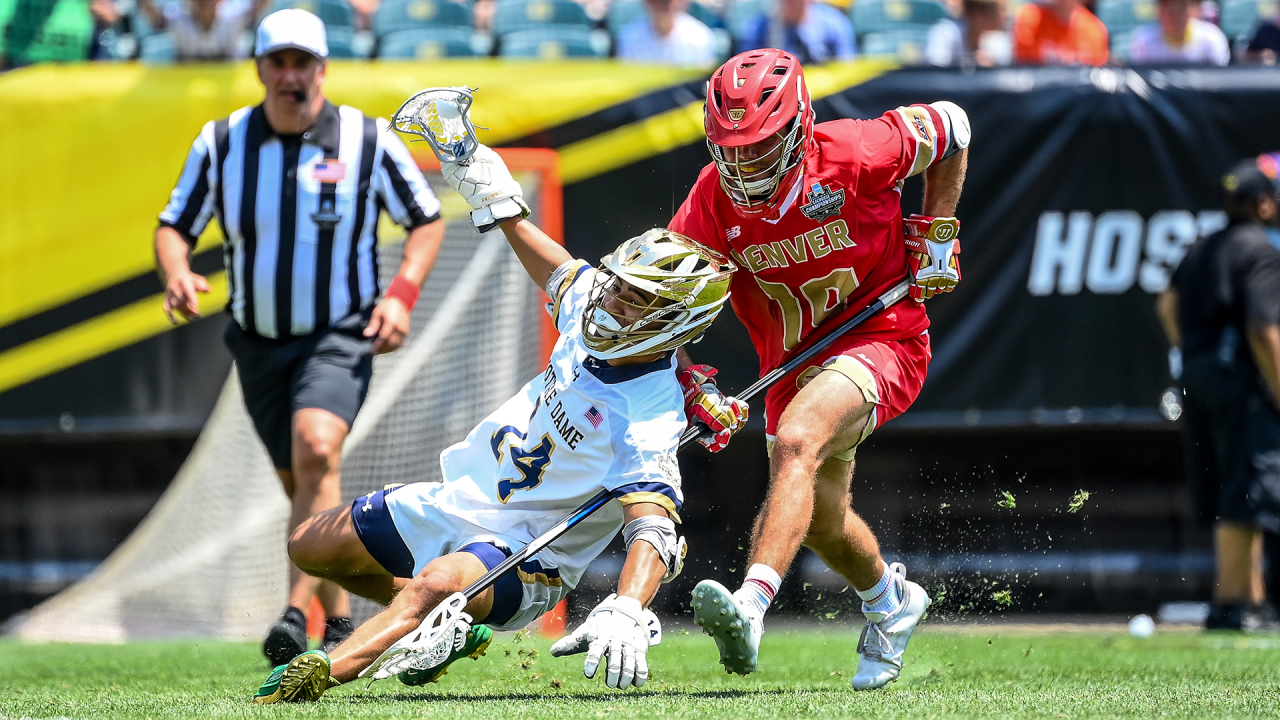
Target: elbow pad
(956, 125)
(660, 532)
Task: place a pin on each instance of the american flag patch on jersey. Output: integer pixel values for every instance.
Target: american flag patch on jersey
(594, 417)
(329, 171)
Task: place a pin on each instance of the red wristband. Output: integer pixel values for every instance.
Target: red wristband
(404, 291)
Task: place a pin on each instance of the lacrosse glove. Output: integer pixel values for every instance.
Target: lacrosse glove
(619, 631)
(933, 249)
(706, 405)
(486, 184)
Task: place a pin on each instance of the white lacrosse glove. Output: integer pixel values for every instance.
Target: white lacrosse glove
(619, 631)
(487, 185)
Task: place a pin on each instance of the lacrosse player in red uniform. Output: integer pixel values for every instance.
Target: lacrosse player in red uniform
(812, 215)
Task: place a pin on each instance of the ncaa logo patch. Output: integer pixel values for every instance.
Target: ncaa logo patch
(823, 203)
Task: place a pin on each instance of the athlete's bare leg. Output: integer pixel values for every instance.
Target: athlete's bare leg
(438, 580)
(326, 546)
(1239, 558)
(808, 499)
(315, 486)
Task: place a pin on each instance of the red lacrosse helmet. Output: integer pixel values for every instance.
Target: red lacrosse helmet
(759, 123)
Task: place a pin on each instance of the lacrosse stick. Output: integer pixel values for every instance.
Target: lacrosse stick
(442, 117)
(445, 628)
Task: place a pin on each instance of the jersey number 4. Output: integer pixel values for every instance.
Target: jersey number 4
(531, 464)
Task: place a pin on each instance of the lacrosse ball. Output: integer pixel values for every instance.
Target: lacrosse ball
(1142, 626)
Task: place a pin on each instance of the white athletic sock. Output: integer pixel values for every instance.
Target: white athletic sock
(882, 597)
(759, 588)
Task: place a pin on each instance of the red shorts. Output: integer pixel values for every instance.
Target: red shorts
(889, 372)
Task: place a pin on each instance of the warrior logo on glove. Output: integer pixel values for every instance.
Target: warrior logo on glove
(934, 247)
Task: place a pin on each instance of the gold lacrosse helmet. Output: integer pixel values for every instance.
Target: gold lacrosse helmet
(683, 286)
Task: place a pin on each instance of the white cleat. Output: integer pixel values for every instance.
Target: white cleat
(884, 638)
(736, 631)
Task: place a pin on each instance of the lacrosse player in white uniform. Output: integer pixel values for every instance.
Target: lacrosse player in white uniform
(606, 413)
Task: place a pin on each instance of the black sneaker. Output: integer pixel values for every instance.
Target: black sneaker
(1224, 617)
(336, 632)
(287, 638)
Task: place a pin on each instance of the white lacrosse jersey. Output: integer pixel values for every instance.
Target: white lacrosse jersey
(580, 426)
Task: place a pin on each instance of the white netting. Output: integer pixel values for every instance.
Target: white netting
(209, 559)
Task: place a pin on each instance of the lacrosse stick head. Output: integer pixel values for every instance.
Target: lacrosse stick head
(441, 632)
(442, 117)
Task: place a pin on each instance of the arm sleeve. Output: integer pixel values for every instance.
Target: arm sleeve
(568, 288)
(902, 143)
(644, 467)
(400, 184)
(191, 202)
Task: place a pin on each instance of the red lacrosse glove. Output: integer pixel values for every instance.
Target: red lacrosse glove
(706, 405)
(933, 249)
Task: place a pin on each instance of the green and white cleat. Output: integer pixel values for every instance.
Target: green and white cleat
(736, 631)
(884, 637)
(478, 639)
(302, 679)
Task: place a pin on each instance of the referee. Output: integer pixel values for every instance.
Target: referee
(1223, 310)
(296, 184)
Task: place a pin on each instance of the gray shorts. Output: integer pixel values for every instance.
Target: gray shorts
(328, 370)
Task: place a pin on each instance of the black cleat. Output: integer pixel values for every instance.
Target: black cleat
(336, 632)
(287, 638)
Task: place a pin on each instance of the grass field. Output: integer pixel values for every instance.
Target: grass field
(952, 672)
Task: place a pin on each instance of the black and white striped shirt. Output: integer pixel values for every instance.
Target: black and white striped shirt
(299, 213)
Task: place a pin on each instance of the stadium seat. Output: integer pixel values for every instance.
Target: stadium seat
(398, 15)
(1122, 16)
(157, 49)
(515, 15)
(551, 43)
(426, 43)
(334, 13)
(903, 44)
(1240, 17)
(875, 16)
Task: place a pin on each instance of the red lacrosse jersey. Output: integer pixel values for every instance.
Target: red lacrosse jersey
(839, 241)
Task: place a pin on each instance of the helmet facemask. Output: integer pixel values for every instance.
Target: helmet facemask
(753, 175)
(655, 293)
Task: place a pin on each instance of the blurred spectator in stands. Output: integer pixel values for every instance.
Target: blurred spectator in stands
(667, 35)
(1222, 310)
(1058, 32)
(812, 31)
(205, 30)
(1179, 37)
(105, 15)
(1265, 45)
(978, 37)
(40, 30)
(363, 11)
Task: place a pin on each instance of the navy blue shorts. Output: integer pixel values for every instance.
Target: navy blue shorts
(377, 530)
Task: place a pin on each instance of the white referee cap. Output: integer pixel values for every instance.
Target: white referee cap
(292, 28)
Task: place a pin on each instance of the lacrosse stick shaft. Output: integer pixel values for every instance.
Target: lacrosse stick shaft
(890, 296)
(601, 498)
(596, 502)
